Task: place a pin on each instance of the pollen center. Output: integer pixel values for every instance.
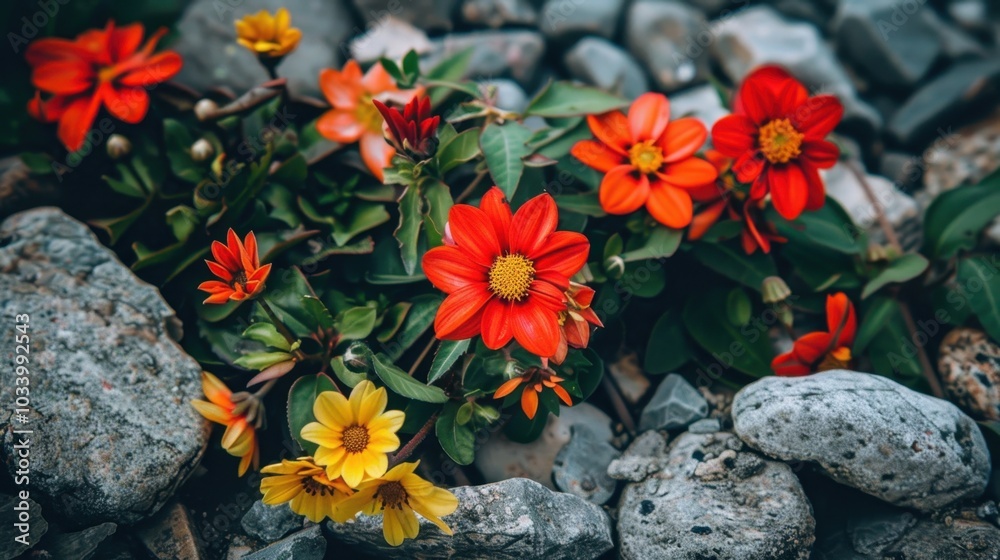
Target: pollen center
(838, 359)
(240, 277)
(314, 487)
(367, 115)
(392, 494)
(780, 141)
(646, 157)
(511, 276)
(355, 439)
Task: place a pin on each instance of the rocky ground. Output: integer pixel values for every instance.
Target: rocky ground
(840, 465)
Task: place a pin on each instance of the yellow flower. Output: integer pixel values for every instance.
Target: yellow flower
(354, 434)
(239, 418)
(305, 485)
(268, 36)
(397, 495)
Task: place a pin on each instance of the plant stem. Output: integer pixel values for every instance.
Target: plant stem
(411, 445)
(278, 324)
(472, 187)
(423, 354)
(619, 404)
(265, 389)
(893, 240)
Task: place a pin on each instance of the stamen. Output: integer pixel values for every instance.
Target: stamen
(646, 157)
(779, 141)
(511, 276)
(355, 439)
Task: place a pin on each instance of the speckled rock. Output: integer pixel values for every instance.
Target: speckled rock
(603, 64)
(498, 13)
(969, 363)
(701, 102)
(13, 509)
(425, 14)
(110, 389)
(517, 519)
(392, 38)
(170, 534)
(675, 404)
(899, 208)
(715, 499)
(514, 54)
(307, 544)
(581, 466)
(960, 540)
(270, 523)
(964, 155)
(671, 40)
(566, 20)
(867, 432)
(645, 456)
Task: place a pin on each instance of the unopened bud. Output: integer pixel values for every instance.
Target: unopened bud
(775, 290)
(877, 253)
(615, 266)
(785, 315)
(118, 146)
(201, 150)
(205, 108)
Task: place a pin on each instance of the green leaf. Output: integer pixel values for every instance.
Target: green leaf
(408, 232)
(178, 141)
(829, 227)
(319, 313)
(418, 320)
(183, 220)
(585, 203)
(874, 320)
(402, 384)
(260, 360)
(738, 307)
(903, 269)
(301, 397)
(392, 320)
(892, 352)
(565, 99)
(364, 217)
(662, 243)
(749, 270)
(267, 334)
(345, 374)
(955, 218)
(448, 352)
(437, 197)
(458, 150)
(128, 185)
(980, 282)
(457, 439)
(668, 348)
(746, 348)
(355, 323)
(504, 147)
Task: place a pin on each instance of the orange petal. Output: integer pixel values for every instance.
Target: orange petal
(340, 125)
(473, 233)
(623, 190)
(449, 269)
(669, 205)
(497, 330)
(682, 138)
(689, 173)
(597, 155)
(376, 153)
(648, 116)
(494, 204)
(529, 402)
(533, 222)
(612, 129)
(840, 317)
(536, 328)
(705, 219)
(507, 387)
(565, 253)
(460, 306)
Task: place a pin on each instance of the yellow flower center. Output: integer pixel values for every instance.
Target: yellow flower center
(355, 439)
(511, 276)
(367, 114)
(392, 494)
(838, 359)
(646, 157)
(779, 141)
(315, 487)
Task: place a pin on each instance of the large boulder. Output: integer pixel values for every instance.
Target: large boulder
(113, 431)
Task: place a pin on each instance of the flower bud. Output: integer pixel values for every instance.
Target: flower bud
(615, 266)
(205, 108)
(201, 150)
(775, 290)
(118, 146)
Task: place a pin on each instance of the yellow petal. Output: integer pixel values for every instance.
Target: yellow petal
(392, 527)
(353, 469)
(332, 458)
(375, 463)
(212, 411)
(399, 471)
(372, 404)
(350, 507)
(358, 394)
(389, 421)
(215, 390)
(408, 520)
(333, 410)
(322, 435)
(282, 20)
(383, 442)
(281, 491)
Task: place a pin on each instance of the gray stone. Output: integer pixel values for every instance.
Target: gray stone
(870, 533)
(700, 102)
(714, 499)
(675, 404)
(498, 13)
(895, 50)
(945, 101)
(567, 20)
(664, 37)
(170, 534)
(307, 544)
(759, 35)
(392, 38)
(904, 170)
(602, 64)
(705, 426)
(425, 14)
(969, 363)
(111, 389)
(963, 156)
(644, 457)
(960, 540)
(517, 519)
(970, 14)
(270, 523)
(582, 464)
(499, 458)
(495, 54)
(507, 95)
(899, 208)
(867, 432)
(80, 545)
(207, 41)
(37, 526)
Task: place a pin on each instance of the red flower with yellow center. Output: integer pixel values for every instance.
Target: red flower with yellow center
(534, 380)
(353, 117)
(777, 136)
(412, 130)
(237, 265)
(505, 274)
(647, 160)
(101, 67)
(821, 351)
(575, 322)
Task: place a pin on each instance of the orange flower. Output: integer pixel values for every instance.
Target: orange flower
(575, 322)
(240, 439)
(100, 67)
(505, 275)
(238, 266)
(266, 35)
(821, 351)
(353, 117)
(647, 160)
(534, 380)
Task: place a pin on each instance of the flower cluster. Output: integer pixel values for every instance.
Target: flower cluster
(821, 351)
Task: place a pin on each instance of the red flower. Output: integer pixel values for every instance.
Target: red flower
(576, 320)
(100, 67)
(506, 274)
(413, 129)
(777, 135)
(238, 267)
(647, 160)
(821, 351)
(534, 380)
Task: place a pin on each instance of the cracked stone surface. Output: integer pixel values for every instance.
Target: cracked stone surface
(114, 434)
(868, 432)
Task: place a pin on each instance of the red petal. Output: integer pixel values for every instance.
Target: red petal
(496, 327)
(158, 68)
(623, 191)
(123, 41)
(810, 348)
(597, 155)
(648, 116)
(449, 269)
(128, 104)
(548, 292)
(840, 315)
(224, 257)
(458, 309)
(64, 77)
(473, 233)
(497, 209)
(220, 271)
(789, 190)
(532, 224)
(787, 365)
(762, 93)
(682, 138)
(734, 135)
(818, 116)
(749, 166)
(669, 205)
(705, 219)
(77, 120)
(816, 189)
(536, 328)
(820, 153)
(565, 252)
(612, 129)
